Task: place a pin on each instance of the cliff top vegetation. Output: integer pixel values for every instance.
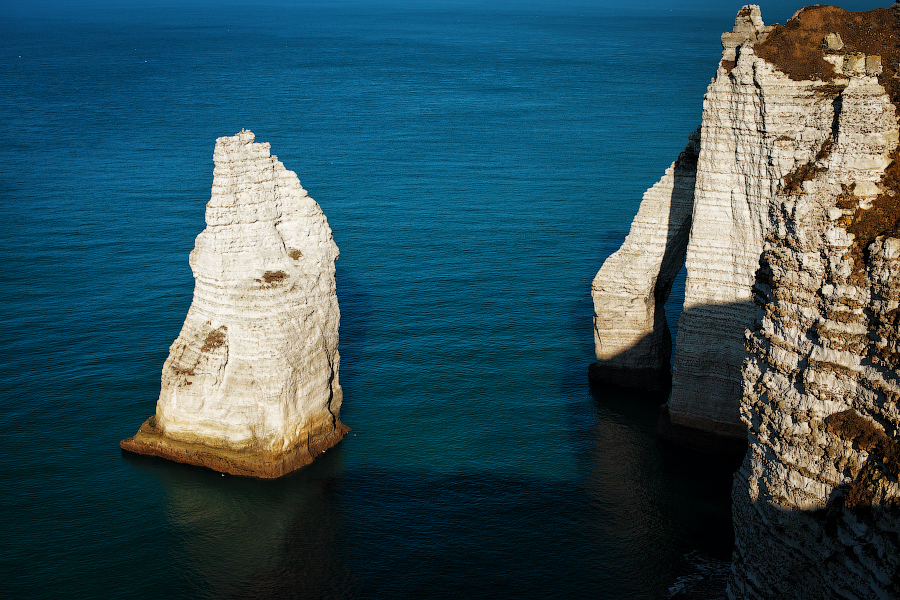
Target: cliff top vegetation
(797, 49)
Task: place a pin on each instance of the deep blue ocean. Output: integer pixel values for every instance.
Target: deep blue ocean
(476, 166)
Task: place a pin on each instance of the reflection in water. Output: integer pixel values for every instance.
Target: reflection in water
(309, 565)
(248, 538)
(656, 504)
(634, 521)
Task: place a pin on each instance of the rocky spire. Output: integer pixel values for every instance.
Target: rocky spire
(251, 383)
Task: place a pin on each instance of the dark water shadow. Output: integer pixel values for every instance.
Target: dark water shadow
(325, 532)
(418, 535)
(231, 534)
(677, 499)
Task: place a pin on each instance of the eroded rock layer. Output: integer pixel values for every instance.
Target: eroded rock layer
(816, 502)
(790, 333)
(251, 383)
(770, 115)
(758, 126)
(631, 336)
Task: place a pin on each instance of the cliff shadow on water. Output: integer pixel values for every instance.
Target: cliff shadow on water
(715, 434)
(250, 538)
(680, 496)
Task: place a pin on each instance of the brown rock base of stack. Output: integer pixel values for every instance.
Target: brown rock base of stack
(151, 442)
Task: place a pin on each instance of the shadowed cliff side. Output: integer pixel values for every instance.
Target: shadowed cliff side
(834, 551)
(631, 336)
(817, 501)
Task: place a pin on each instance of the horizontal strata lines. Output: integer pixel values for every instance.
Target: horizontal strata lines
(815, 357)
(262, 299)
(744, 112)
(253, 171)
(631, 340)
(264, 270)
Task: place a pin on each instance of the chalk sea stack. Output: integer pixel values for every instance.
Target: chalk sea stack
(250, 386)
(789, 339)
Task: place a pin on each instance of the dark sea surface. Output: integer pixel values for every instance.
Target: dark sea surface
(476, 166)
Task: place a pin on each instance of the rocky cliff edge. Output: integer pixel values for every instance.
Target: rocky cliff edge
(789, 336)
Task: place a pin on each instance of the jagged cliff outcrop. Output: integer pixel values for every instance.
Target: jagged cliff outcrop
(790, 333)
(816, 502)
(250, 386)
(631, 336)
(759, 127)
(726, 191)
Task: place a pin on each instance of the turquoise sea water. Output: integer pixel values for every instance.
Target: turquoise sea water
(476, 166)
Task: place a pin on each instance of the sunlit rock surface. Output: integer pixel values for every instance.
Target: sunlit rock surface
(789, 338)
(759, 127)
(251, 383)
(817, 503)
(631, 337)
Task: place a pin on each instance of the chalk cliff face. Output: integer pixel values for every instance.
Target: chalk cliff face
(790, 333)
(722, 197)
(759, 127)
(251, 383)
(817, 502)
(631, 336)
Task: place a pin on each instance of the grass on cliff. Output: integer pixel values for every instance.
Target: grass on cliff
(215, 339)
(797, 49)
(273, 277)
(793, 181)
(851, 426)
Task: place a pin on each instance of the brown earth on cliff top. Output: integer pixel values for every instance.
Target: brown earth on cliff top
(797, 49)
